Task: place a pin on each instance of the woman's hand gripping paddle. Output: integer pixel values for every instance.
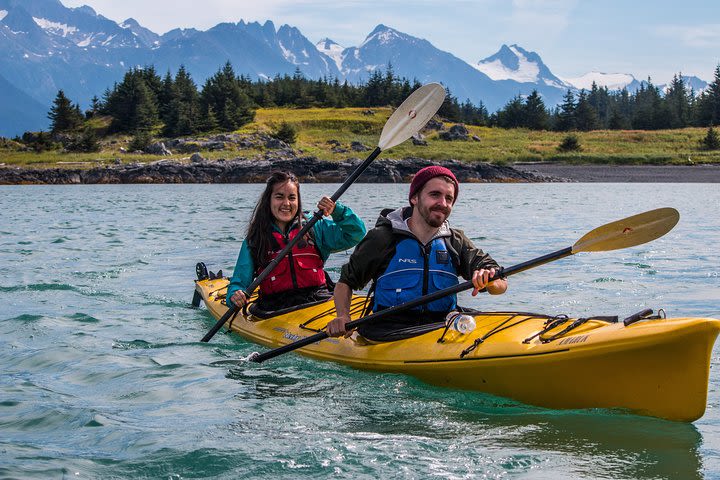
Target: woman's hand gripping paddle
(405, 122)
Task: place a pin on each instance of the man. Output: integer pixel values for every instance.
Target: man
(412, 252)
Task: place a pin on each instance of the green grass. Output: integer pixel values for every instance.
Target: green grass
(316, 126)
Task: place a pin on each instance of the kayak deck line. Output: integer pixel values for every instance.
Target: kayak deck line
(652, 366)
(487, 358)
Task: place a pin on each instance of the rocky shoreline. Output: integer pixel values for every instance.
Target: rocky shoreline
(241, 170)
(313, 170)
(690, 173)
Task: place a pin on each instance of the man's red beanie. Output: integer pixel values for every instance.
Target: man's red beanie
(425, 174)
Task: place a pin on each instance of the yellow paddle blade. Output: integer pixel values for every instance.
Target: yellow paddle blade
(412, 115)
(629, 231)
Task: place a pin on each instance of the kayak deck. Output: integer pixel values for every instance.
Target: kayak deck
(657, 367)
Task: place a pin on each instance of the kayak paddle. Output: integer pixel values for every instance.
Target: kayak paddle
(406, 121)
(628, 232)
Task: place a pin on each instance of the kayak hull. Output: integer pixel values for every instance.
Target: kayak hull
(657, 367)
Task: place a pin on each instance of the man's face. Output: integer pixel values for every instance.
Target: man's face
(434, 202)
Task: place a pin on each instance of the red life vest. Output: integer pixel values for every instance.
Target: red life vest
(302, 267)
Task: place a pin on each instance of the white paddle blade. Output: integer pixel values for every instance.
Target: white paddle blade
(628, 232)
(412, 115)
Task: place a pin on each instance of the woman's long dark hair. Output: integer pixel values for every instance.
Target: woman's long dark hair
(259, 232)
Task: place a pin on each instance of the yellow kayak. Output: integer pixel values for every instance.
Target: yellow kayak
(656, 366)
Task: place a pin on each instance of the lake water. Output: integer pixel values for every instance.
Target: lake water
(103, 375)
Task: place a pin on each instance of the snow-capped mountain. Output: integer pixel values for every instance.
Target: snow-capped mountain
(146, 36)
(618, 81)
(613, 81)
(45, 47)
(516, 63)
(416, 58)
(332, 49)
(695, 83)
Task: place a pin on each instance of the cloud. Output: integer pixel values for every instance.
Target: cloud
(551, 17)
(696, 36)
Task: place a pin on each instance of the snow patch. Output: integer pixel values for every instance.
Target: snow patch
(384, 37)
(287, 54)
(613, 81)
(527, 71)
(3, 14)
(55, 27)
(108, 39)
(332, 50)
(86, 42)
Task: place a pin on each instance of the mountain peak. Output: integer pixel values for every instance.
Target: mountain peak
(383, 35)
(86, 9)
(379, 28)
(515, 63)
(332, 49)
(130, 22)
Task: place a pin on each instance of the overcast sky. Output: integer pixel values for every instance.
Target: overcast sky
(645, 38)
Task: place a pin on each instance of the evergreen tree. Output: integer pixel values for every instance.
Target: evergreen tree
(599, 100)
(374, 95)
(473, 115)
(450, 109)
(536, 116)
(617, 120)
(184, 110)
(711, 140)
(229, 102)
(64, 117)
(565, 117)
(132, 104)
(95, 107)
(647, 113)
(585, 115)
(620, 111)
(165, 98)
(512, 114)
(678, 103)
(708, 104)
(208, 120)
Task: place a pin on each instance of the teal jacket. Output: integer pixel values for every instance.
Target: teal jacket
(343, 231)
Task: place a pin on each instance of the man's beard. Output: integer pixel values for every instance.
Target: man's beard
(426, 214)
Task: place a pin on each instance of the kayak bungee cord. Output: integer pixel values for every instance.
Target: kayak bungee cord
(627, 232)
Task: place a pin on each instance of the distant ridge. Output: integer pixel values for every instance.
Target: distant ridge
(46, 47)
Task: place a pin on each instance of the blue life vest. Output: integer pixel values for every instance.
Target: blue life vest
(415, 271)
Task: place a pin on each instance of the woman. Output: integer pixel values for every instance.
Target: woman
(299, 277)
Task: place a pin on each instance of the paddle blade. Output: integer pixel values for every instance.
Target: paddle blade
(629, 231)
(412, 115)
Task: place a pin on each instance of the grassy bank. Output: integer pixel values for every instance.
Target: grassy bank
(316, 127)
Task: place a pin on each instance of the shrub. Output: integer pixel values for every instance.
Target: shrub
(570, 144)
(286, 132)
(39, 141)
(711, 140)
(140, 141)
(85, 142)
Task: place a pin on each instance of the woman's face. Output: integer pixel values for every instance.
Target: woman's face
(284, 203)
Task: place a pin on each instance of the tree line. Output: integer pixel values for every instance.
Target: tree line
(143, 102)
(600, 109)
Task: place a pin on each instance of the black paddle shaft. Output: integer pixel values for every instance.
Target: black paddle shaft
(521, 267)
(308, 225)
